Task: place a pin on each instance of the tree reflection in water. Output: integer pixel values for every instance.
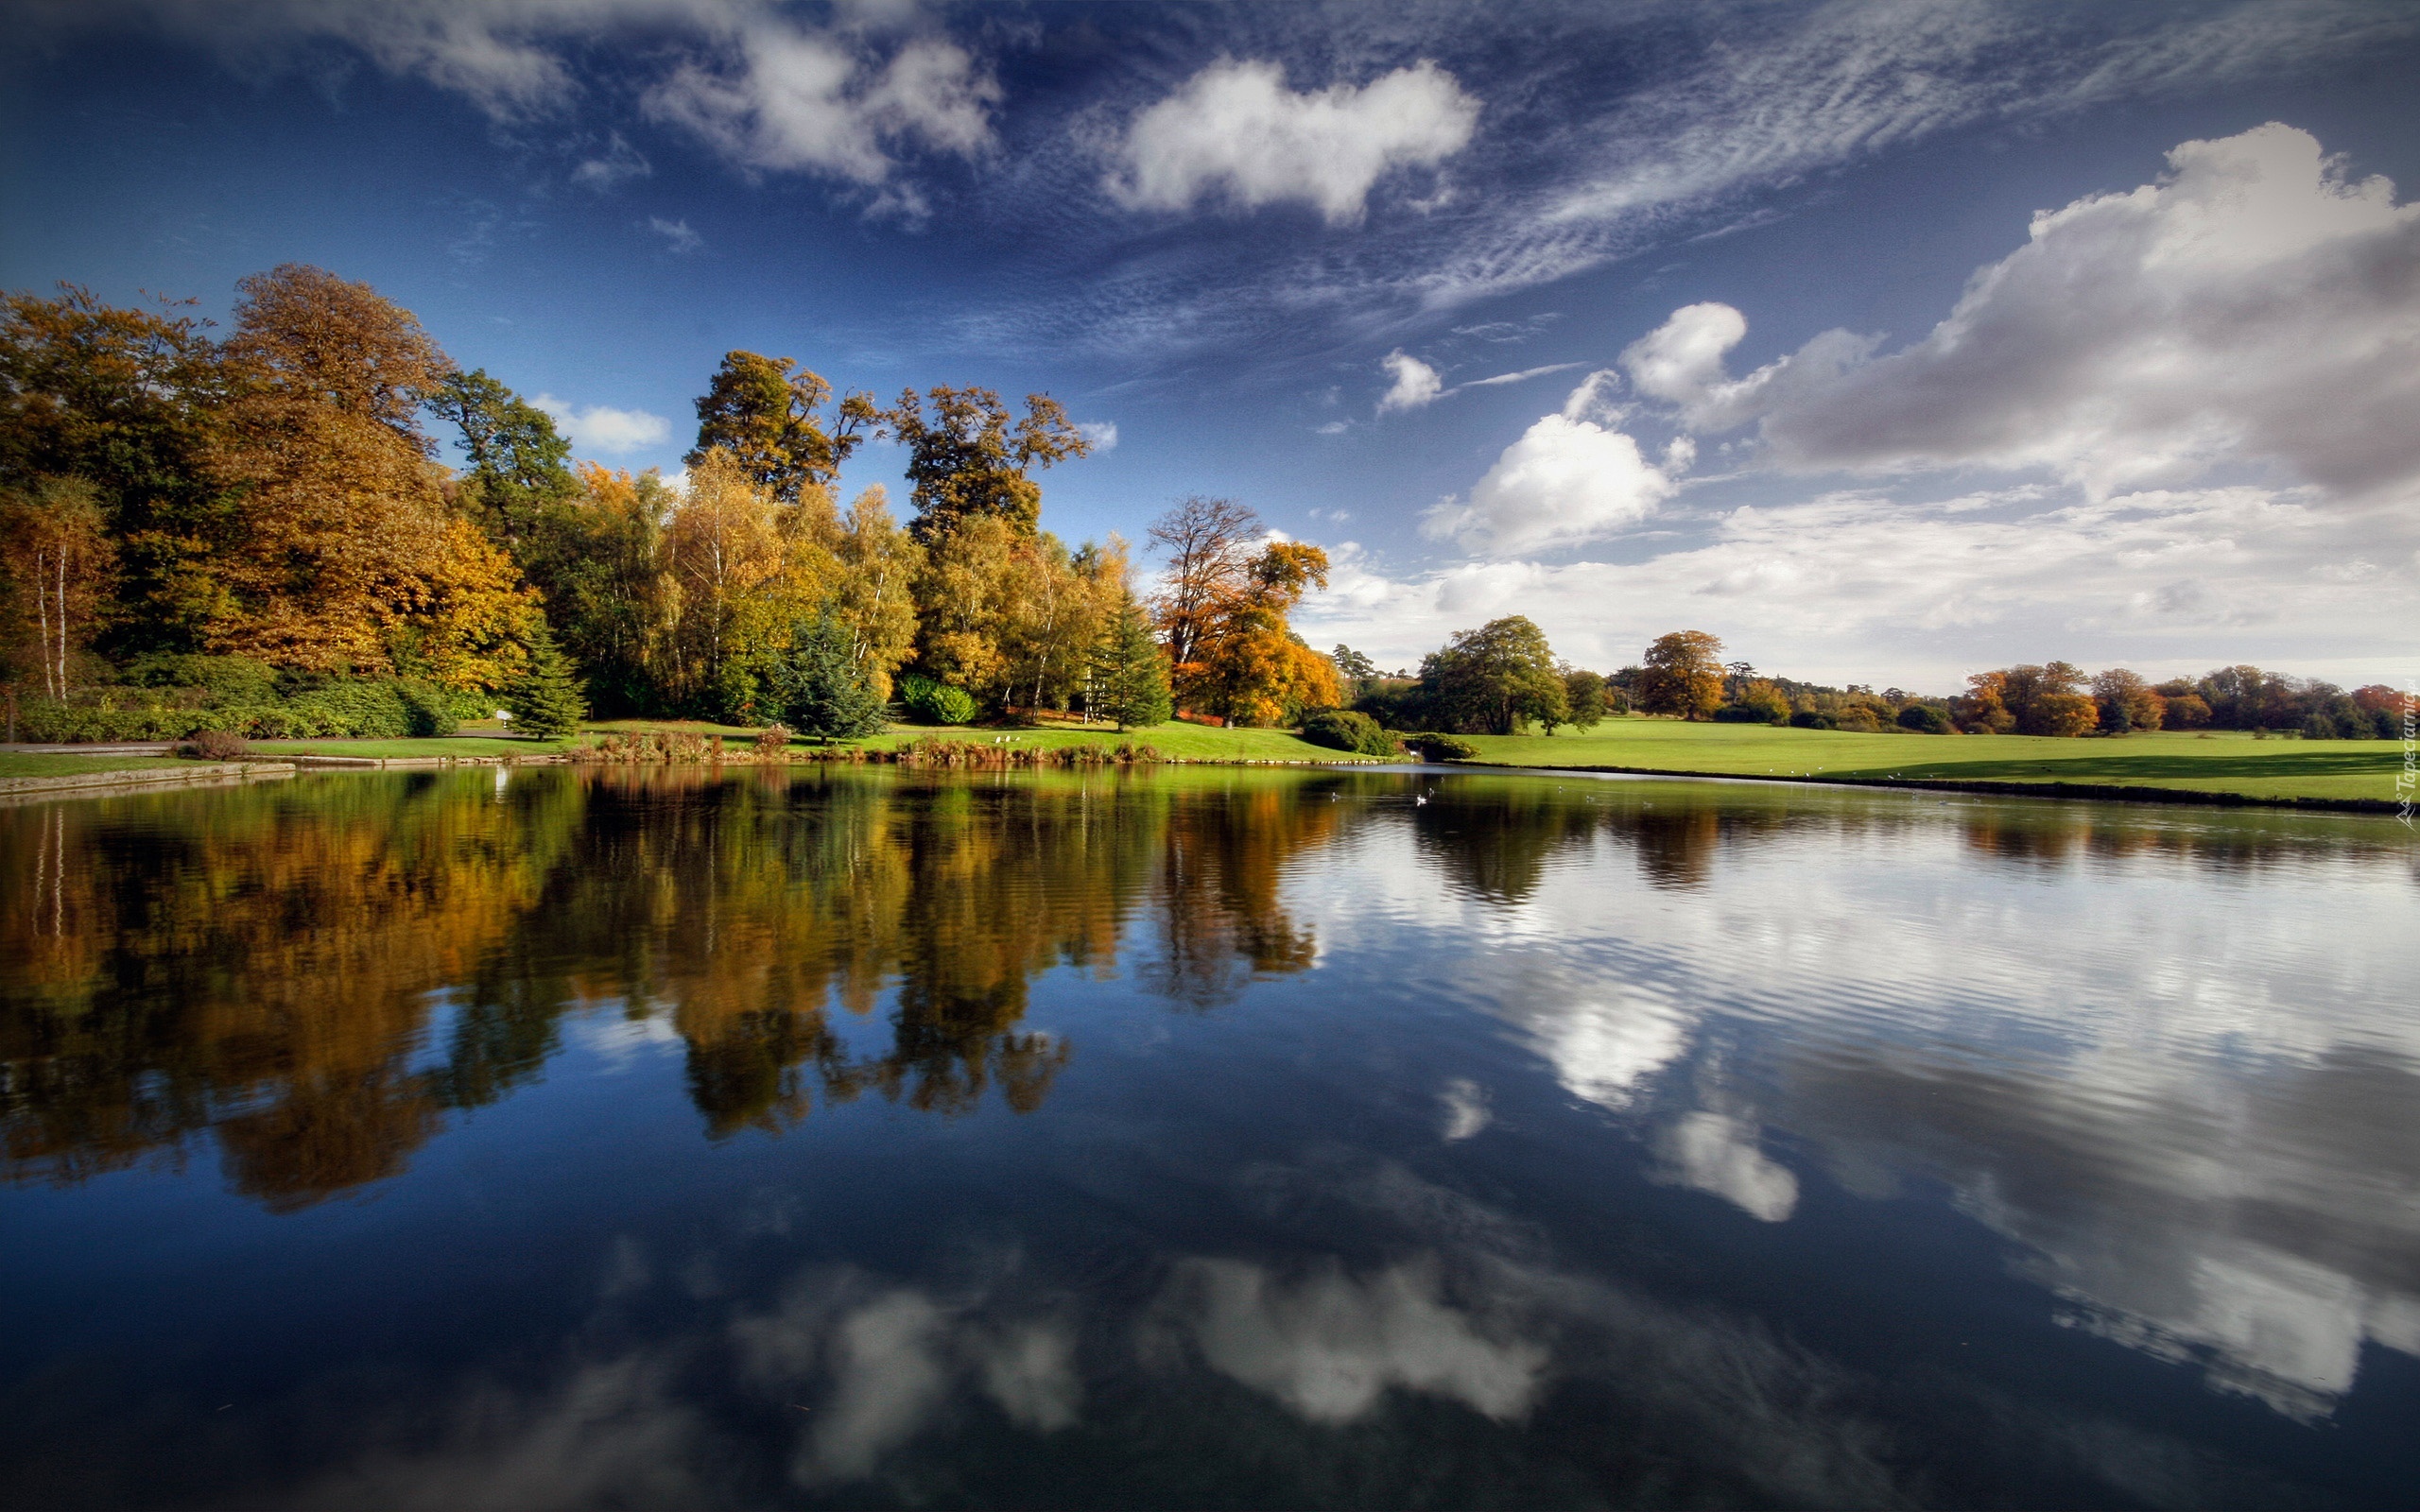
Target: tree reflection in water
(314, 975)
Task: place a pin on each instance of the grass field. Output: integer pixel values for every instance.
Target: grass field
(2224, 762)
(25, 764)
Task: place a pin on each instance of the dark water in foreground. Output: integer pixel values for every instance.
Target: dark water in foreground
(1202, 1139)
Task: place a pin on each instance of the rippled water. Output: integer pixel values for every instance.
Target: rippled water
(1202, 1138)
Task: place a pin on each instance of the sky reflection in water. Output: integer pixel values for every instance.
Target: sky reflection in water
(1205, 1138)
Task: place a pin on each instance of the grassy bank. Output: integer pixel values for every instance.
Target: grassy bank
(27, 763)
(2226, 762)
(1179, 741)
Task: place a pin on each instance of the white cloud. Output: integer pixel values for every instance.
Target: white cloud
(1718, 1154)
(1568, 480)
(1864, 587)
(787, 98)
(676, 232)
(600, 428)
(1101, 433)
(1415, 383)
(1331, 1346)
(767, 91)
(1235, 127)
(1521, 377)
(2254, 304)
(615, 165)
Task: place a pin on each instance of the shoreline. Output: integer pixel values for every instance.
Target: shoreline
(2071, 792)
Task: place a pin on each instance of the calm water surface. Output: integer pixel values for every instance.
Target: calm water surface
(1202, 1138)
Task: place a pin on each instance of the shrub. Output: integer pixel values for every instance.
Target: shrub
(1857, 717)
(215, 746)
(1926, 720)
(428, 711)
(1809, 719)
(773, 743)
(1343, 729)
(936, 703)
(1438, 747)
(1739, 713)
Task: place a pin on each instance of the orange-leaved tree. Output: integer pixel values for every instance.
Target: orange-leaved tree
(1682, 674)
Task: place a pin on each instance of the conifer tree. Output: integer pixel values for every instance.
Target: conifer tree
(545, 700)
(1129, 676)
(822, 691)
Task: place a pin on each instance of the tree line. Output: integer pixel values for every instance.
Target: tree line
(1503, 678)
(258, 528)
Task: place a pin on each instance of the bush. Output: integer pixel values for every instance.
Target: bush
(428, 711)
(1739, 713)
(1438, 747)
(215, 746)
(1809, 719)
(1859, 718)
(1343, 729)
(1926, 720)
(221, 681)
(936, 703)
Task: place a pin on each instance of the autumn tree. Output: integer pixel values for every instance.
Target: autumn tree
(342, 552)
(128, 400)
(1494, 680)
(2049, 699)
(875, 593)
(744, 571)
(58, 570)
(967, 459)
(2125, 701)
(1127, 681)
(1249, 666)
(1682, 674)
(768, 414)
(597, 556)
(1209, 545)
(519, 463)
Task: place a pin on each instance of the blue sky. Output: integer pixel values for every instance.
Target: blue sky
(1886, 341)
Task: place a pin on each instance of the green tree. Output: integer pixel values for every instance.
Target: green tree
(1128, 675)
(1585, 692)
(1359, 672)
(518, 462)
(967, 459)
(767, 412)
(822, 689)
(1493, 678)
(545, 700)
(1682, 674)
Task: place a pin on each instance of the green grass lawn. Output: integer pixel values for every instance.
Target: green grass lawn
(2224, 762)
(22, 764)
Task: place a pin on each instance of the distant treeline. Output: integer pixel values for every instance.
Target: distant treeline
(1503, 678)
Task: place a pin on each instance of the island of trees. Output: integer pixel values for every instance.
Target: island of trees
(252, 534)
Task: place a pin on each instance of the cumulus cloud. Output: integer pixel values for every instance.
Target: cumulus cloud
(1718, 1154)
(1235, 129)
(1330, 1347)
(1568, 479)
(2256, 303)
(1415, 383)
(1857, 586)
(792, 100)
(601, 428)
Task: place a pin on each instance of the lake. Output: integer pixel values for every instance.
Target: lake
(1201, 1138)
